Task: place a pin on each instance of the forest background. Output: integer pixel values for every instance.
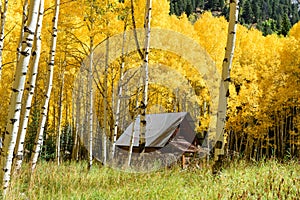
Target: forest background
(263, 112)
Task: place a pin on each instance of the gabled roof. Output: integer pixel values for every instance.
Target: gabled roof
(159, 129)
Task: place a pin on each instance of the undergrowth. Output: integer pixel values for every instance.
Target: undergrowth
(239, 180)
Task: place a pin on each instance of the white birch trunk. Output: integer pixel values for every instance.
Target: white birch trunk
(131, 143)
(90, 109)
(24, 20)
(78, 117)
(11, 132)
(2, 33)
(105, 103)
(76, 121)
(83, 112)
(133, 127)
(58, 156)
(44, 113)
(104, 150)
(144, 102)
(31, 89)
(120, 91)
(134, 30)
(226, 68)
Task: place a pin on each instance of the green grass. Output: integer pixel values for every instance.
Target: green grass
(264, 180)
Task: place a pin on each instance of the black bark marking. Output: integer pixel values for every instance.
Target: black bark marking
(227, 93)
(142, 106)
(24, 53)
(227, 79)
(26, 29)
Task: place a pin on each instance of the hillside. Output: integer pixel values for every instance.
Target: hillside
(269, 16)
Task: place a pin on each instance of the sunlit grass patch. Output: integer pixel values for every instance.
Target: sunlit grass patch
(263, 180)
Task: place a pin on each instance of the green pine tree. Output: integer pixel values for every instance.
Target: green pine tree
(247, 13)
(285, 25)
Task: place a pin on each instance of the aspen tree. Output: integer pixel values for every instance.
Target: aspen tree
(120, 92)
(90, 109)
(78, 96)
(11, 132)
(24, 20)
(76, 125)
(131, 144)
(226, 68)
(143, 106)
(92, 22)
(31, 88)
(91, 28)
(58, 147)
(44, 113)
(2, 33)
(134, 30)
(105, 95)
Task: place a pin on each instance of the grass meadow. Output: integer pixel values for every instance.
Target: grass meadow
(238, 180)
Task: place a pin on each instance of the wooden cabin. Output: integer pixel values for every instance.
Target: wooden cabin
(166, 134)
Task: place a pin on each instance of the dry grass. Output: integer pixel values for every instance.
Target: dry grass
(265, 180)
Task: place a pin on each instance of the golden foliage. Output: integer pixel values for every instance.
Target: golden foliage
(265, 73)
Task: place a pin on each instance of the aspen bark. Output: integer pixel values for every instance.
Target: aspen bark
(78, 118)
(44, 113)
(143, 106)
(133, 128)
(58, 147)
(2, 33)
(226, 68)
(31, 90)
(76, 121)
(120, 91)
(11, 132)
(268, 143)
(292, 142)
(131, 143)
(90, 109)
(134, 30)
(105, 94)
(24, 20)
